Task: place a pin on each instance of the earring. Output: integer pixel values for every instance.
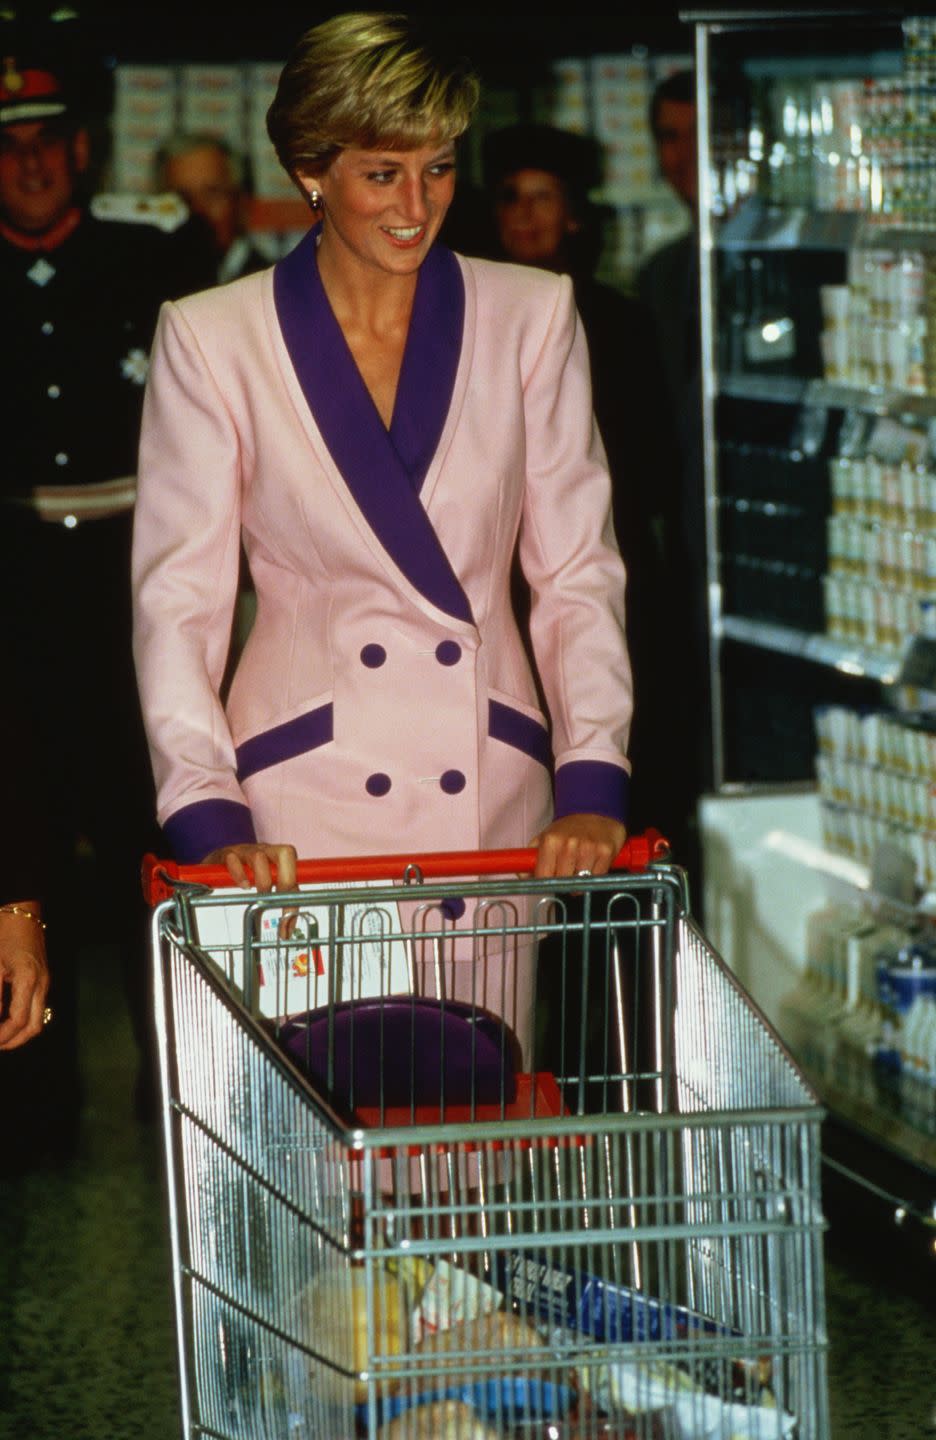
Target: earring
(315, 199)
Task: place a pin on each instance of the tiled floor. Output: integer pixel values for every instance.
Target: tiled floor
(87, 1340)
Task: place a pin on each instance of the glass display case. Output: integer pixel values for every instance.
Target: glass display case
(817, 281)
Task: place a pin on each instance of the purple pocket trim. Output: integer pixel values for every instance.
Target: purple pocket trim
(197, 829)
(514, 728)
(285, 742)
(592, 787)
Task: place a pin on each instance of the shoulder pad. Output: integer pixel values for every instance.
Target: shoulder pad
(166, 212)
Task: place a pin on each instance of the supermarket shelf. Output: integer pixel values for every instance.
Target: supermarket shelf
(758, 226)
(883, 1123)
(788, 390)
(819, 649)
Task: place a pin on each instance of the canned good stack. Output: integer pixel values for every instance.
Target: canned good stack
(880, 586)
(877, 785)
(876, 327)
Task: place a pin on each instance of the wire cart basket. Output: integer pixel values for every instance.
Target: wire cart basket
(480, 1157)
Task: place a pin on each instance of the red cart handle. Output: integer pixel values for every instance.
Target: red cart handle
(160, 876)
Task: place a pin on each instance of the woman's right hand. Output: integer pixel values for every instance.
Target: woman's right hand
(260, 859)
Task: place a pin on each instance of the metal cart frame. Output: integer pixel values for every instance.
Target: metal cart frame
(644, 1256)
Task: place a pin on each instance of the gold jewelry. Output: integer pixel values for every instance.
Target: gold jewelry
(315, 199)
(46, 1015)
(18, 910)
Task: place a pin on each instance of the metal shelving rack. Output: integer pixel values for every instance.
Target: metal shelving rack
(816, 45)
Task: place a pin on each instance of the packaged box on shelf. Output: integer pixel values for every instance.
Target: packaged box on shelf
(255, 131)
(623, 70)
(223, 109)
(144, 80)
(130, 177)
(571, 118)
(204, 117)
(133, 166)
(131, 130)
(156, 106)
(629, 127)
(571, 74)
(630, 99)
(270, 181)
(220, 80)
(262, 77)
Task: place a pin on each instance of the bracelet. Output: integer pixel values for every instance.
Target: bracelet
(18, 910)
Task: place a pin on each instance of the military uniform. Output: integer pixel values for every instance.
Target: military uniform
(78, 322)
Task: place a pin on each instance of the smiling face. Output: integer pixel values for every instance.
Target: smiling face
(382, 209)
(39, 165)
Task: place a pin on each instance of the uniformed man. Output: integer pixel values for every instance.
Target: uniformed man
(80, 286)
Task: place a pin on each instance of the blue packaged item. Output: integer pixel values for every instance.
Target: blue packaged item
(596, 1307)
(511, 1400)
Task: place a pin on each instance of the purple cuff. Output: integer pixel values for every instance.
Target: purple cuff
(592, 787)
(196, 830)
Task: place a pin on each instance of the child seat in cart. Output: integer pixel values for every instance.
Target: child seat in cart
(480, 1157)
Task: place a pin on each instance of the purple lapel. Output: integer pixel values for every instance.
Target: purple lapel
(383, 470)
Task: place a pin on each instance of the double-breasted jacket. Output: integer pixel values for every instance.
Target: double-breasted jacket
(384, 700)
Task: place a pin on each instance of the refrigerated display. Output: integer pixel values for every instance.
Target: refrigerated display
(817, 280)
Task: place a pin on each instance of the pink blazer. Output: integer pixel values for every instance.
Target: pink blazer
(383, 700)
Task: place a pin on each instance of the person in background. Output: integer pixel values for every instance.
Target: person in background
(668, 285)
(538, 180)
(81, 280)
(24, 973)
(210, 177)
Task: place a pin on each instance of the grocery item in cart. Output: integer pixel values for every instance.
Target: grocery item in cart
(688, 1412)
(442, 1420)
(595, 1306)
(332, 1311)
(406, 1050)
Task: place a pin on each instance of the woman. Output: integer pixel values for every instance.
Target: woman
(383, 423)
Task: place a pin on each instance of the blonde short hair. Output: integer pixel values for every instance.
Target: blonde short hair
(371, 81)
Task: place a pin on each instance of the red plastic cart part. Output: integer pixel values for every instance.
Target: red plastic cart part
(161, 876)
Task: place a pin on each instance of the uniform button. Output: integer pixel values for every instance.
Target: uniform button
(373, 656)
(452, 782)
(377, 784)
(448, 652)
(61, 458)
(53, 392)
(47, 327)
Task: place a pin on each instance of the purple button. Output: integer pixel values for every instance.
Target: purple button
(373, 656)
(377, 784)
(453, 782)
(448, 652)
(453, 908)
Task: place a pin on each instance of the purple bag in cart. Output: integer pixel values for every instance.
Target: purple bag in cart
(404, 1050)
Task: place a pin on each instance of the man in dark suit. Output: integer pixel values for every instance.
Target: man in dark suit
(668, 285)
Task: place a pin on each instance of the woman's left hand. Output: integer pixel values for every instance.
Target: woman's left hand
(578, 843)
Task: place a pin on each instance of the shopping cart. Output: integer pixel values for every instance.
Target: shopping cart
(480, 1157)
